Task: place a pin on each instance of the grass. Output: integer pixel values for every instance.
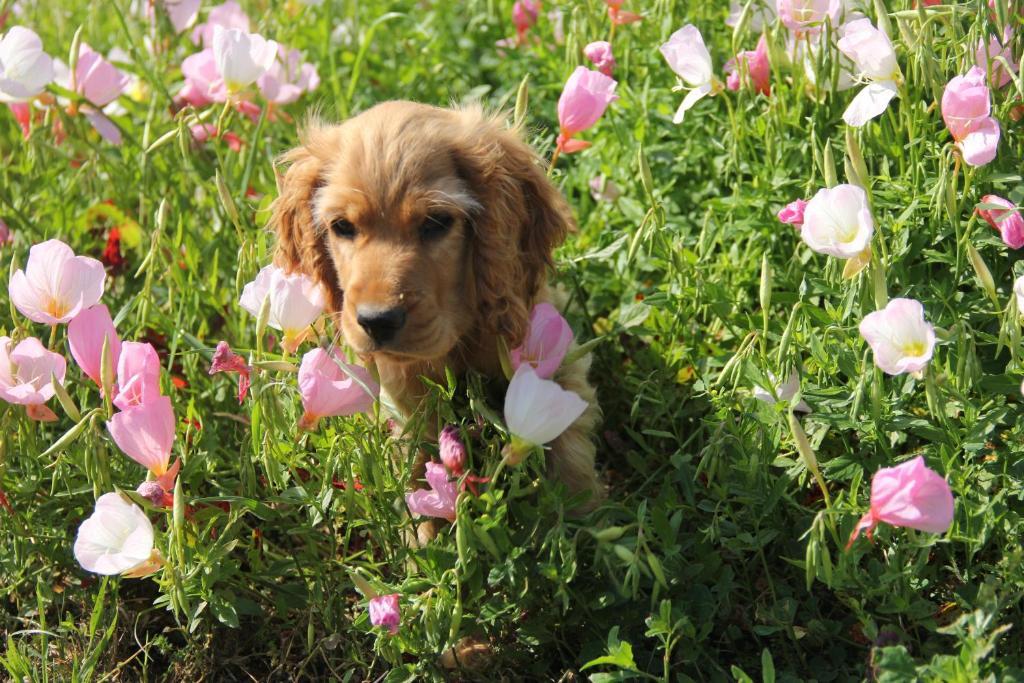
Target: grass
(716, 556)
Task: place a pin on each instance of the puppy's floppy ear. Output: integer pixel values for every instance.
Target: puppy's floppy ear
(523, 218)
(301, 243)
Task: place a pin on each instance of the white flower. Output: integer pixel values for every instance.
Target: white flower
(899, 336)
(837, 222)
(784, 391)
(241, 57)
(25, 70)
(296, 301)
(538, 410)
(1018, 289)
(687, 55)
(116, 539)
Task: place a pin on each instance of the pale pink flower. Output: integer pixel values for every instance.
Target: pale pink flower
(600, 54)
(785, 391)
(296, 302)
(152, 491)
(758, 69)
(1006, 220)
(56, 285)
(96, 79)
(25, 69)
(793, 213)
(203, 83)
(452, 450)
(181, 12)
(145, 433)
(225, 360)
(762, 13)
(227, 15)
(801, 16)
(874, 59)
(996, 52)
(966, 109)
(241, 57)
(440, 500)
(384, 611)
(603, 189)
(546, 343)
(689, 58)
(837, 221)
(584, 99)
(86, 334)
(117, 539)
(99, 83)
(908, 495)
(538, 410)
(26, 373)
(288, 77)
(557, 19)
(330, 387)
(901, 339)
(1018, 292)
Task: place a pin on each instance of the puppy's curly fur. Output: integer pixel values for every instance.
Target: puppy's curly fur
(446, 215)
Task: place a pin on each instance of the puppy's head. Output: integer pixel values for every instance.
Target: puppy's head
(423, 224)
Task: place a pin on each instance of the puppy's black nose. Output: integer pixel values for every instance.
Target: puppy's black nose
(381, 324)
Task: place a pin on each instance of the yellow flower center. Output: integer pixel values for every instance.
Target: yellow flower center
(915, 348)
(56, 308)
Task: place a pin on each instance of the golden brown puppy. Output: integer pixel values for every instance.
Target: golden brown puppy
(432, 231)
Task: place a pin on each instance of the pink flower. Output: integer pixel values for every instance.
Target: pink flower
(546, 344)
(908, 495)
(837, 221)
(117, 539)
(793, 213)
(138, 375)
(227, 15)
(802, 16)
(384, 612)
(203, 83)
(600, 54)
(6, 237)
(56, 285)
(453, 451)
(225, 360)
(586, 96)
(758, 68)
(901, 339)
(288, 77)
(86, 334)
(619, 16)
(146, 433)
(26, 373)
(995, 52)
(966, 105)
(331, 387)
(524, 15)
(440, 500)
(1006, 220)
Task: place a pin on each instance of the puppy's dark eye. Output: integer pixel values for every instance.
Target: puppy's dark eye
(436, 225)
(343, 228)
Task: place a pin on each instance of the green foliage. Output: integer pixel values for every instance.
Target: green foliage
(716, 553)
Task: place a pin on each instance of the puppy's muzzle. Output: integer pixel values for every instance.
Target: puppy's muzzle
(381, 324)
